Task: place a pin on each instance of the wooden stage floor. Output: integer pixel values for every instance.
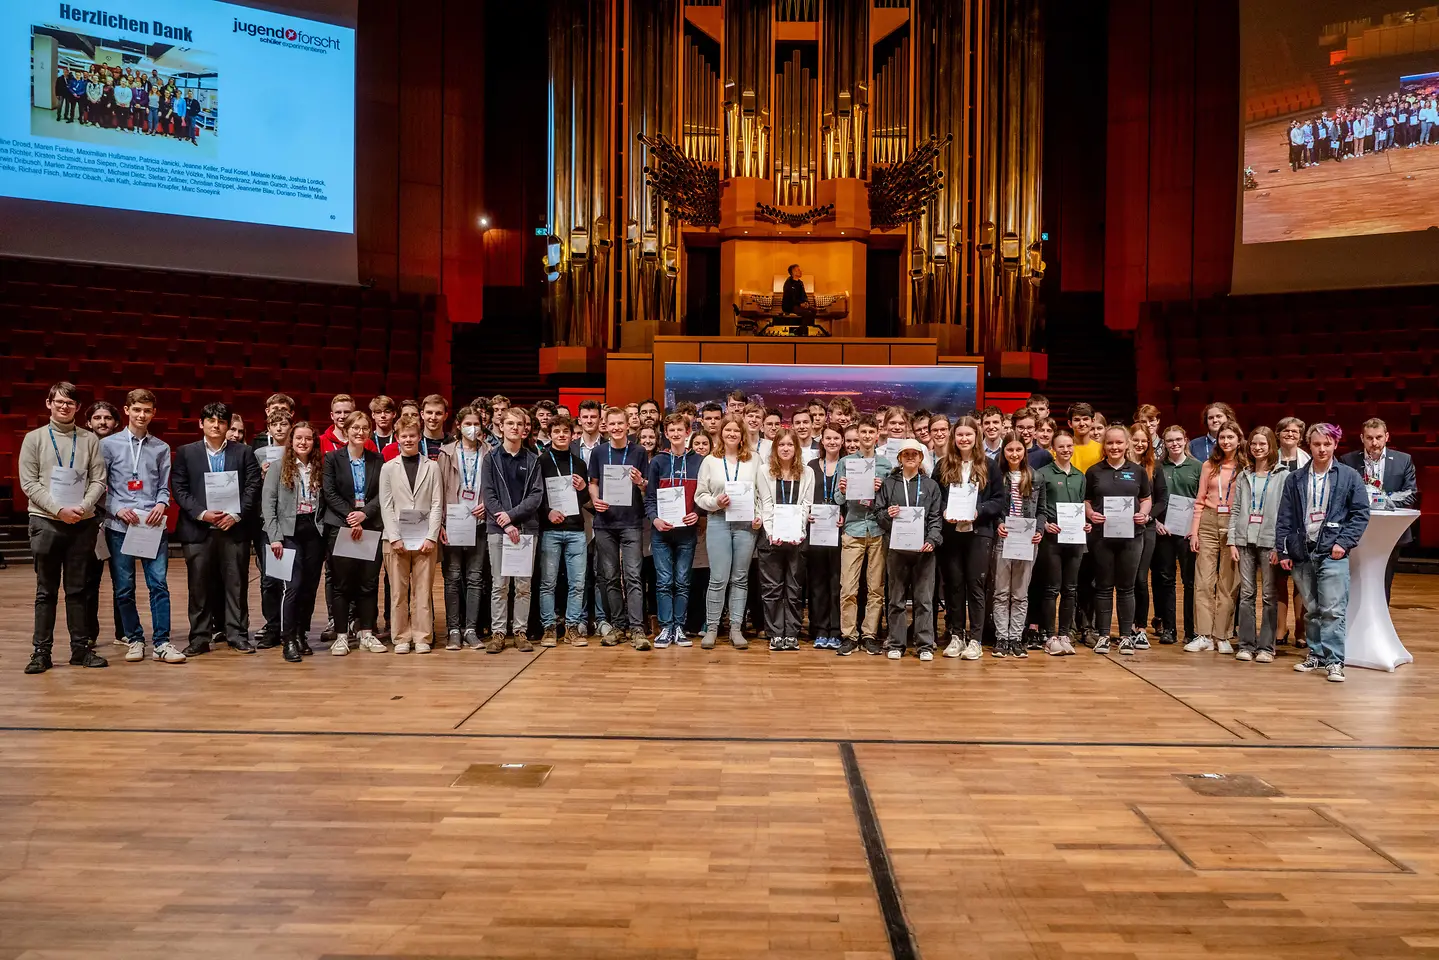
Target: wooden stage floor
(717, 805)
(1390, 192)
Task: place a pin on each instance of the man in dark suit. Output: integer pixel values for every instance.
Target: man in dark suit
(1390, 481)
(215, 541)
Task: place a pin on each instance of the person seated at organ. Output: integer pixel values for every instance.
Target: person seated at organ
(795, 300)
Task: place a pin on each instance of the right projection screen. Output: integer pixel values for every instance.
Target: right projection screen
(1340, 146)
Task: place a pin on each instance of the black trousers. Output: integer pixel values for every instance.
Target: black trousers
(62, 553)
(964, 560)
(1148, 535)
(1169, 550)
(822, 566)
(272, 591)
(297, 598)
(226, 560)
(466, 573)
(357, 588)
(1060, 565)
(781, 581)
(910, 576)
(1115, 564)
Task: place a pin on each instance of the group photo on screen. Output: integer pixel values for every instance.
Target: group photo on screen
(154, 98)
(1342, 115)
(951, 390)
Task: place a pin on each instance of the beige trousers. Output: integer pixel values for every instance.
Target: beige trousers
(1216, 579)
(856, 554)
(412, 613)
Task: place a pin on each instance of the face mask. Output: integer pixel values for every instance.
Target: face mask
(470, 431)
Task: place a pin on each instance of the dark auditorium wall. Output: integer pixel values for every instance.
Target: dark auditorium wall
(420, 149)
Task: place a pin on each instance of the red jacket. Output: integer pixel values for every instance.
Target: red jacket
(330, 441)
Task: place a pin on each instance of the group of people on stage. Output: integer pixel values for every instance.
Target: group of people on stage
(123, 98)
(1403, 119)
(884, 532)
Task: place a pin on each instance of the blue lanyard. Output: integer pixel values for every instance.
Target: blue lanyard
(357, 474)
(684, 473)
(830, 481)
(466, 477)
(624, 457)
(74, 442)
(1318, 490)
(1225, 495)
(569, 460)
(787, 494)
(725, 460)
(1256, 504)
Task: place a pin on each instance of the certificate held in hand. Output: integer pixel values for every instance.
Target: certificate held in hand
(222, 492)
(1071, 522)
(414, 528)
(460, 525)
(824, 525)
(560, 492)
(963, 502)
(788, 523)
(142, 541)
(1119, 518)
(1179, 516)
(741, 501)
(364, 548)
(281, 567)
(1019, 545)
(670, 505)
(906, 531)
(517, 559)
(616, 487)
(859, 479)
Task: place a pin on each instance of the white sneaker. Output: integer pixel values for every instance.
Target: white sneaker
(926, 655)
(403, 647)
(1199, 645)
(341, 646)
(371, 643)
(955, 648)
(1335, 673)
(1244, 656)
(894, 654)
(1225, 647)
(421, 647)
(166, 653)
(136, 652)
(972, 650)
(1264, 656)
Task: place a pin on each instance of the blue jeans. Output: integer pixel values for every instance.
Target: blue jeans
(674, 555)
(731, 545)
(569, 544)
(1323, 583)
(122, 569)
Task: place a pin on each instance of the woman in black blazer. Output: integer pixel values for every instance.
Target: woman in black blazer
(352, 505)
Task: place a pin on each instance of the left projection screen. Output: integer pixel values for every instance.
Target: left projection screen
(179, 134)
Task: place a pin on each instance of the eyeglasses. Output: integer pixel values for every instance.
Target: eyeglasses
(62, 402)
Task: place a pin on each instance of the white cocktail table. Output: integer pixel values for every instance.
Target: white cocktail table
(1371, 641)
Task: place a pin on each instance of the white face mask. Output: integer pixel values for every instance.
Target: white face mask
(470, 431)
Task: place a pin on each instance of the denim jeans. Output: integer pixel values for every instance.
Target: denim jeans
(464, 574)
(731, 545)
(1323, 583)
(674, 555)
(568, 545)
(122, 570)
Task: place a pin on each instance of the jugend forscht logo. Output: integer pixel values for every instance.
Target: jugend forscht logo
(288, 37)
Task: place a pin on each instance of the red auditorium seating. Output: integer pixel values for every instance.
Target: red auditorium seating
(193, 339)
(1365, 354)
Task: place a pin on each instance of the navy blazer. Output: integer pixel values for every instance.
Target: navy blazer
(339, 489)
(1398, 476)
(1345, 516)
(187, 478)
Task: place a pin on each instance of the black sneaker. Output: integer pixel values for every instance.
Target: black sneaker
(846, 647)
(1167, 637)
(872, 647)
(39, 663)
(1032, 639)
(85, 657)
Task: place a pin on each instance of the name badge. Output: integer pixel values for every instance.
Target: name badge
(304, 506)
(1316, 516)
(1222, 508)
(135, 484)
(467, 494)
(1256, 518)
(359, 501)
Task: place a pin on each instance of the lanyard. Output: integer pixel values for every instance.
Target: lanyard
(1318, 491)
(1256, 503)
(725, 461)
(569, 460)
(74, 442)
(684, 472)
(624, 457)
(831, 481)
(135, 450)
(788, 490)
(468, 478)
(1225, 493)
(303, 475)
(380, 442)
(905, 484)
(424, 445)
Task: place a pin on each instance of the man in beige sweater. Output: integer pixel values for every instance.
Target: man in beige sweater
(62, 473)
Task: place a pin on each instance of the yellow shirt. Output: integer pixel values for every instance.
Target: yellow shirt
(1087, 454)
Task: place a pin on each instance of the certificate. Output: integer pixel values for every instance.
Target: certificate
(1119, 518)
(741, 501)
(142, 541)
(788, 522)
(560, 492)
(1071, 522)
(414, 528)
(518, 559)
(1179, 516)
(460, 524)
(616, 488)
(671, 503)
(67, 487)
(1019, 545)
(281, 567)
(222, 492)
(906, 531)
(963, 502)
(269, 454)
(824, 525)
(859, 479)
(102, 547)
(364, 548)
